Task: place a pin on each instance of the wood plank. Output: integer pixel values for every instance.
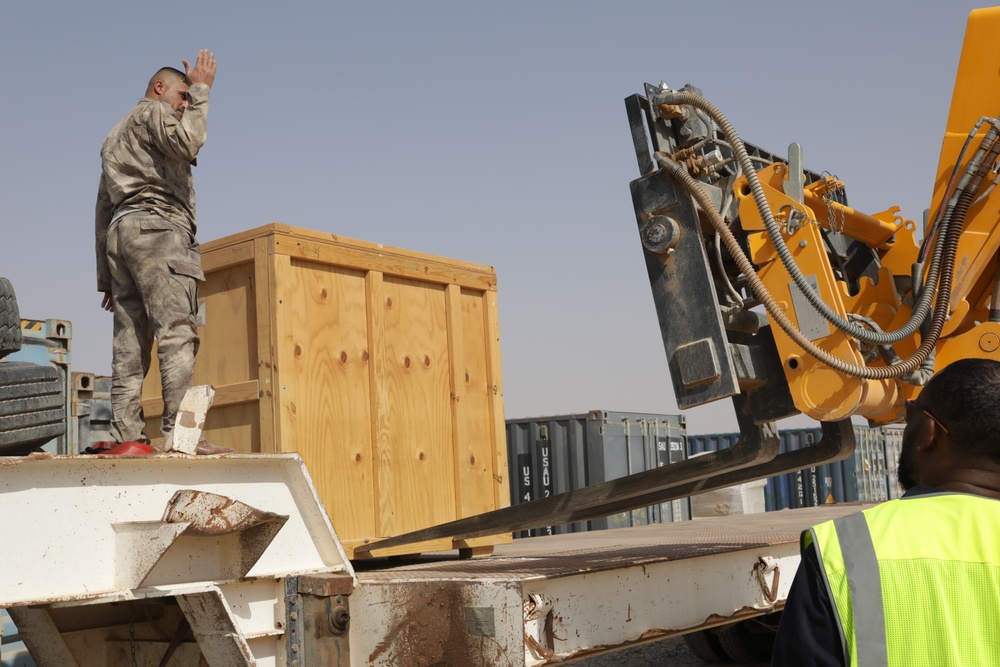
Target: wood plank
(385, 521)
(287, 237)
(481, 545)
(228, 394)
(459, 425)
(250, 235)
(288, 233)
(417, 379)
(354, 549)
(495, 392)
(482, 542)
(226, 256)
(325, 403)
(429, 269)
(266, 308)
(477, 460)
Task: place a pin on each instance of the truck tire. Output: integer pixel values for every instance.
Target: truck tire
(747, 642)
(32, 407)
(705, 646)
(10, 320)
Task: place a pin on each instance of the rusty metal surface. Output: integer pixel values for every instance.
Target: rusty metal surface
(566, 555)
(213, 514)
(326, 584)
(435, 623)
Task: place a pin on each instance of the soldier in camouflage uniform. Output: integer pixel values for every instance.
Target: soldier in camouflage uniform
(148, 261)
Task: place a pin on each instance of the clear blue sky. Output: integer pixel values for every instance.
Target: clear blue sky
(488, 132)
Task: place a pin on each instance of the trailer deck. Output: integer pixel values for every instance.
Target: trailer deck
(233, 560)
(564, 597)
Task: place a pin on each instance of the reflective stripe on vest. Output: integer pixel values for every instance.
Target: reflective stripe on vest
(861, 566)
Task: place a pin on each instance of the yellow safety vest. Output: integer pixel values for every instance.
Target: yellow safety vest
(916, 581)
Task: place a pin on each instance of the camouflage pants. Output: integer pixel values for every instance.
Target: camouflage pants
(155, 269)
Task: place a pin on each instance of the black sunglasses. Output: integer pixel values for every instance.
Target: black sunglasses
(913, 405)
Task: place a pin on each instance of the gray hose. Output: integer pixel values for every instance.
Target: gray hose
(692, 187)
(921, 308)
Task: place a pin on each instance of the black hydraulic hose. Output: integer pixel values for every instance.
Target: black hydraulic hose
(894, 370)
(921, 308)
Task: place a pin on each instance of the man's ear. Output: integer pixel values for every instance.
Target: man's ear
(931, 438)
(159, 87)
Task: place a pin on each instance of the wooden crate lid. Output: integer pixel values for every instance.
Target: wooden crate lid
(338, 250)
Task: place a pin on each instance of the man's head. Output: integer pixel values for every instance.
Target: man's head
(171, 86)
(953, 427)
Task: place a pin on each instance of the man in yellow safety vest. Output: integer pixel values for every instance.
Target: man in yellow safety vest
(913, 581)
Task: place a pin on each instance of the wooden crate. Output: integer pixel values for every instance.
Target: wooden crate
(379, 366)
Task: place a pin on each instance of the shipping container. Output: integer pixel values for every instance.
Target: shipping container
(869, 475)
(893, 446)
(90, 404)
(379, 366)
(550, 455)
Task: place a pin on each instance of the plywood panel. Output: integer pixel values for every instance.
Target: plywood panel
(325, 401)
(385, 513)
(228, 353)
(418, 385)
(233, 426)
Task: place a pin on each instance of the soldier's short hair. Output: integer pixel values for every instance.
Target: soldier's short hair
(165, 73)
(965, 397)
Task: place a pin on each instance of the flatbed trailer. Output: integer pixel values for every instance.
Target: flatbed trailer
(232, 560)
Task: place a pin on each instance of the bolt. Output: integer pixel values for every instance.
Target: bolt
(802, 244)
(295, 616)
(660, 234)
(339, 618)
(656, 233)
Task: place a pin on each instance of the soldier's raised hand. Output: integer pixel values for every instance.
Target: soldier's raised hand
(204, 68)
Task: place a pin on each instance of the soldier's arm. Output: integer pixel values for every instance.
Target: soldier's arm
(181, 139)
(102, 219)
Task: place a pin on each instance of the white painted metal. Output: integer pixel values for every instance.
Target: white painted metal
(626, 605)
(36, 623)
(219, 534)
(84, 505)
(216, 629)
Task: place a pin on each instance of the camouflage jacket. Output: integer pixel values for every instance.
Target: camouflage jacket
(146, 166)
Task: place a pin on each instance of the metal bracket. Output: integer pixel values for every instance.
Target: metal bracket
(295, 623)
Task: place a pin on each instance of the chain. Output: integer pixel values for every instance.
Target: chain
(832, 196)
(131, 632)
